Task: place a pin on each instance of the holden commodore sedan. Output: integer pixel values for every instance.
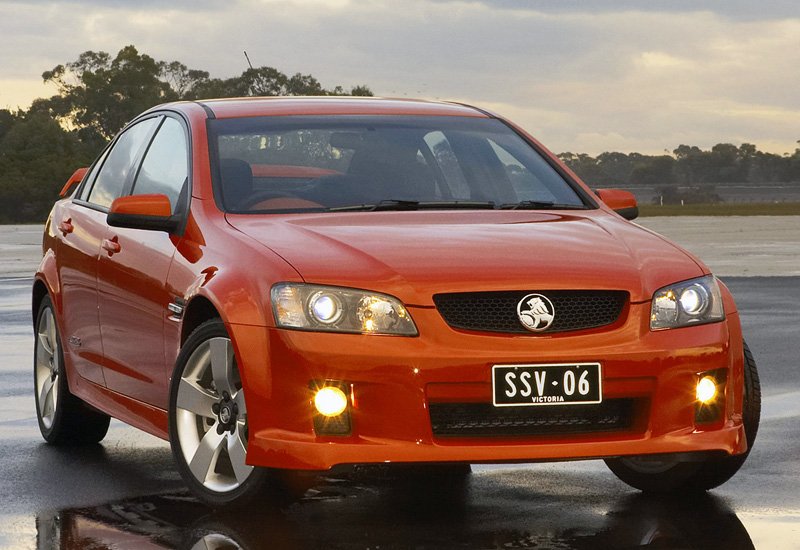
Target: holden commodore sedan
(291, 284)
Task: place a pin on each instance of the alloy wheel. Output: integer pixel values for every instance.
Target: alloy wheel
(211, 417)
(48, 368)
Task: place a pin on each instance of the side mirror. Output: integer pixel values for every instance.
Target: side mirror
(621, 202)
(150, 212)
(74, 179)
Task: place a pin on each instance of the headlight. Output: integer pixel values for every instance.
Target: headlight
(336, 309)
(692, 302)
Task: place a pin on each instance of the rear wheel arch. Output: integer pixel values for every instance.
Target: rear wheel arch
(46, 283)
(38, 294)
(64, 419)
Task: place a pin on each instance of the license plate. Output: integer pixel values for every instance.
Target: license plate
(561, 384)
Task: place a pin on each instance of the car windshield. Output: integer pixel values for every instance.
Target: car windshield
(340, 163)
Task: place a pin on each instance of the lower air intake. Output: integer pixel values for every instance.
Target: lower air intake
(486, 420)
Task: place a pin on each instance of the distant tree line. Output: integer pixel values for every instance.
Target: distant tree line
(689, 173)
(97, 95)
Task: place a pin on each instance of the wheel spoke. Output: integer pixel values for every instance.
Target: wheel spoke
(206, 455)
(46, 402)
(237, 452)
(44, 345)
(222, 364)
(43, 359)
(203, 544)
(47, 386)
(51, 332)
(239, 400)
(44, 338)
(193, 398)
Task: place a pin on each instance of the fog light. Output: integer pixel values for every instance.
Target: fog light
(706, 389)
(330, 401)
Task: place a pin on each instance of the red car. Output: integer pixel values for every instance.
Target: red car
(296, 284)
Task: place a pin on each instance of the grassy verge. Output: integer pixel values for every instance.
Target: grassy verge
(722, 209)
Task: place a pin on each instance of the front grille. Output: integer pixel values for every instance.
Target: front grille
(486, 420)
(497, 311)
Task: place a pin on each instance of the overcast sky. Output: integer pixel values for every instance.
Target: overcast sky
(582, 76)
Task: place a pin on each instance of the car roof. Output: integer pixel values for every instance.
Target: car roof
(272, 106)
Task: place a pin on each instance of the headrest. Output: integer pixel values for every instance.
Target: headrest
(237, 181)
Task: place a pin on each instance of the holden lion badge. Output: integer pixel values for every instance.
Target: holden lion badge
(535, 312)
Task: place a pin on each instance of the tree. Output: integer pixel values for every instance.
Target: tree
(98, 94)
(267, 81)
(723, 164)
(617, 167)
(794, 164)
(37, 155)
(183, 80)
(7, 121)
(583, 165)
(654, 171)
(689, 161)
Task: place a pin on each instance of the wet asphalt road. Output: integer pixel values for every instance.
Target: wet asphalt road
(126, 493)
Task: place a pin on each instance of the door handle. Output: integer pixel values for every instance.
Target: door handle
(111, 245)
(66, 226)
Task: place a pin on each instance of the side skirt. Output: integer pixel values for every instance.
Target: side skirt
(135, 413)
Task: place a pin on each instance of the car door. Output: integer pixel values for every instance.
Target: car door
(132, 273)
(79, 229)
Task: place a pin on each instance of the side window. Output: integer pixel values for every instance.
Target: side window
(532, 178)
(118, 164)
(87, 184)
(165, 167)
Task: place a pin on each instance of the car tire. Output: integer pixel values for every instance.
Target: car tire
(208, 421)
(716, 472)
(64, 419)
(651, 475)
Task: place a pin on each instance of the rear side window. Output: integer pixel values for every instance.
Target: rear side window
(120, 162)
(87, 186)
(165, 166)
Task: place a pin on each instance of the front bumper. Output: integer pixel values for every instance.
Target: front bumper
(394, 379)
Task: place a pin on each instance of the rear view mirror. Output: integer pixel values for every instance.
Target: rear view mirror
(150, 212)
(621, 202)
(74, 179)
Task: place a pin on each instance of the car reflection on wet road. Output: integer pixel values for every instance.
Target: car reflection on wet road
(126, 492)
(348, 514)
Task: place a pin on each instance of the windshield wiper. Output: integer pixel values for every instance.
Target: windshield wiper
(397, 204)
(400, 205)
(540, 205)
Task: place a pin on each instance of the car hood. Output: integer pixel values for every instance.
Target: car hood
(414, 255)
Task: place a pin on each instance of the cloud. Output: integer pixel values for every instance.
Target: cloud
(616, 75)
(732, 9)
